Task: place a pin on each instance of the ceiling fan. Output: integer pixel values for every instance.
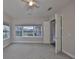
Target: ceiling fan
(30, 4)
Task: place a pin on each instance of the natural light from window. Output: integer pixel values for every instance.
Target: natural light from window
(6, 32)
(29, 31)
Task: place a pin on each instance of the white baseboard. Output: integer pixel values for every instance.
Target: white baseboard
(6, 45)
(26, 42)
(67, 53)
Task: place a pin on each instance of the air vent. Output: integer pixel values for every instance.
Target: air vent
(49, 8)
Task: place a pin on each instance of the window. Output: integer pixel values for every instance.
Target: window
(29, 30)
(6, 32)
(19, 31)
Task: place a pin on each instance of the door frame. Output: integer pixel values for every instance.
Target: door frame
(58, 36)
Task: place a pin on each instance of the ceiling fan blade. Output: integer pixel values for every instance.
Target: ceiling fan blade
(27, 1)
(34, 0)
(36, 6)
(29, 8)
(23, 0)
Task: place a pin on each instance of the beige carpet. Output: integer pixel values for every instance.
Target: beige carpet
(31, 51)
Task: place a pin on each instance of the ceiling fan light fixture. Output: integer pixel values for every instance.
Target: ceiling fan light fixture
(31, 3)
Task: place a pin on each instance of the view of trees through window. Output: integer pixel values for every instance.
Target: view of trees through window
(28, 30)
(6, 32)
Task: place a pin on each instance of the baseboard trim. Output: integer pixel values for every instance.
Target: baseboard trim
(67, 53)
(26, 42)
(4, 46)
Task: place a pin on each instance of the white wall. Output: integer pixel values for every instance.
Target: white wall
(27, 22)
(7, 20)
(68, 43)
(46, 26)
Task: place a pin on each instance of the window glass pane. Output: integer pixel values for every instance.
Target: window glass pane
(6, 31)
(37, 30)
(18, 30)
(27, 30)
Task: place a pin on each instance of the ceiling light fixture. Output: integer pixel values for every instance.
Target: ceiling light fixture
(50, 8)
(31, 4)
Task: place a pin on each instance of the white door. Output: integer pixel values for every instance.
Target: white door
(58, 33)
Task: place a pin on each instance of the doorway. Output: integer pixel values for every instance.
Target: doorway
(52, 26)
(56, 33)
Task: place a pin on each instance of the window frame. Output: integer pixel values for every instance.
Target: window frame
(33, 31)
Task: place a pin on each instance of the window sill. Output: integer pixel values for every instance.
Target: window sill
(5, 39)
(28, 36)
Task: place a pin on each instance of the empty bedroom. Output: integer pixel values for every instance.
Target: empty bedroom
(38, 29)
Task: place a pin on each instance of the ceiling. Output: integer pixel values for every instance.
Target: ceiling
(16, 9)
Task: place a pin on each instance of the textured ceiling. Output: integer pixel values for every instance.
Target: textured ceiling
(16, 9)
